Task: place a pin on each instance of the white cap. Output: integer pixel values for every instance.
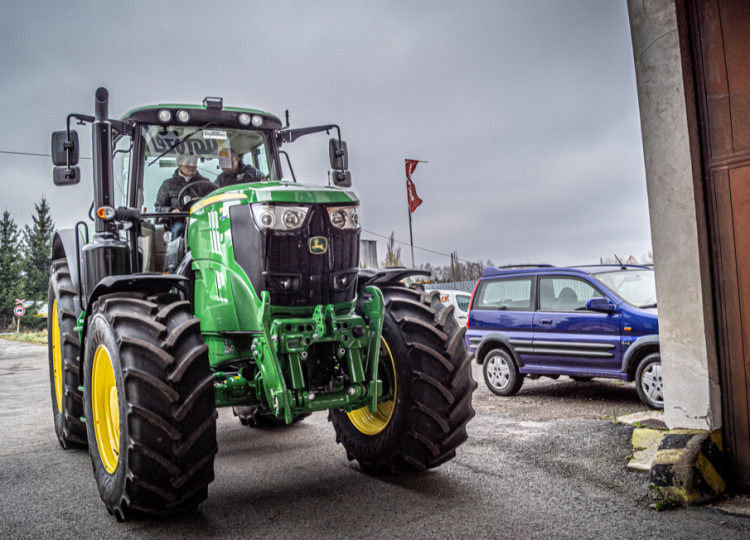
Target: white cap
(187, 159)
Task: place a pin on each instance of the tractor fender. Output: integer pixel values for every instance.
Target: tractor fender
(143, 283)
(630, 356)
(386, 276)
(64, 247)
(381, 277)
(490, 341)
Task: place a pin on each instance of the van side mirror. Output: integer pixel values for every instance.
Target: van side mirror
(602, 305)
(64, 149)
(338, 154)
(63, 176)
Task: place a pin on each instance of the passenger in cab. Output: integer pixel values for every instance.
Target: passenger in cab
(235, 171)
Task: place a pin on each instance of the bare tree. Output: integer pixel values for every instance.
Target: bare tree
(392, 253)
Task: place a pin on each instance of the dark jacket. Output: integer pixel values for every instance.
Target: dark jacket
(245, 174)
(166, 199)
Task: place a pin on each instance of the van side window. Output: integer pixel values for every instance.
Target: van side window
(502, 294)
(565, 294)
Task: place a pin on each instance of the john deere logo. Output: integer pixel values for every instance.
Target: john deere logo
(318, 245)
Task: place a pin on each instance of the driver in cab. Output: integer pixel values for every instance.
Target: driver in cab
(185, 175)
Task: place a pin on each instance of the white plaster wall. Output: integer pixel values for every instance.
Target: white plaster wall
(678, 231)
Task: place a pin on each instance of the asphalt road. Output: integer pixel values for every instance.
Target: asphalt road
(547, 463)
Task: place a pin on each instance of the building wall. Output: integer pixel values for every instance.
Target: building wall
(678, 223)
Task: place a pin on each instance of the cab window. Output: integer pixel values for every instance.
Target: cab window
(211, 147)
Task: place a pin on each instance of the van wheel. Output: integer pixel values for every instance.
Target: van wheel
(648, 381)
(501, 373)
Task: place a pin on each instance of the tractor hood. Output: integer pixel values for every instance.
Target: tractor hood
(276, 192)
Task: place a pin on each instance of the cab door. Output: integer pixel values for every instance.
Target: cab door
(569, 339)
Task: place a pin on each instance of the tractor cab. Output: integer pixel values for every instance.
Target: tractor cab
(149, 174)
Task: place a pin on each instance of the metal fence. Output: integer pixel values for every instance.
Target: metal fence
(465, 286)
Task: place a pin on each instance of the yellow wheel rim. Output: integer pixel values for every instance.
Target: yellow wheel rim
(105, 408)
(57, 357)
(367, 422)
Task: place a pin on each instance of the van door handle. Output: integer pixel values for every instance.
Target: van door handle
(545, 321)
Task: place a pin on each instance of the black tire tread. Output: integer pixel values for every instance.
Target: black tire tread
(70, 431)
(170, 409)
(435, 406)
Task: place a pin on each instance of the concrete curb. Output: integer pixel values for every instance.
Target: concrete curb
(688, 466)
(684, 465)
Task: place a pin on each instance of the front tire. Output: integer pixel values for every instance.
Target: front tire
(501, 373)
(64, 348)
(149, 405)
(426, 369)
(648, 381)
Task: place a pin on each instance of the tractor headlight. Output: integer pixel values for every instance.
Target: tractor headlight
(165, 115)
(344, 217)
(244, 119)
(279, 217)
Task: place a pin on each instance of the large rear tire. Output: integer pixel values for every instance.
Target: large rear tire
(426, 369)
(149, 405)
(64, 348)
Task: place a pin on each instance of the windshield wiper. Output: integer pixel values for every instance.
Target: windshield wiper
(648, 306)
(177, 143)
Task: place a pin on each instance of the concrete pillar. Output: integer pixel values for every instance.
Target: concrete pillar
(678, 224)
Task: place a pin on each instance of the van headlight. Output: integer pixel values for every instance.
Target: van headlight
(344, 217)
(279, 217)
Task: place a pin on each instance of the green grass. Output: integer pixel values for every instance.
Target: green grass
(37, 338)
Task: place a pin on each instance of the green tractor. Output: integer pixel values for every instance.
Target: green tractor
(259, 304)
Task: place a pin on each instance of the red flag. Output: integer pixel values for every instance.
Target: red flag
(411, 164)
(411, 195)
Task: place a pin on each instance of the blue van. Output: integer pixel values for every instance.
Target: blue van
(583, 322)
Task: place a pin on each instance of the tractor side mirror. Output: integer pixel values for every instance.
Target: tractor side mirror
(64, 150)
(342, 178)
(67, 177)
(338, 154)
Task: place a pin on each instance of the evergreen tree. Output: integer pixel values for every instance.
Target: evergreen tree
(38, 252)
(10, 268)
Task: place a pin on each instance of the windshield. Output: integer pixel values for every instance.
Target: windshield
(636, 286)
(214, 148)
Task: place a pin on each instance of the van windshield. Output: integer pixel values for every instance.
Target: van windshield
(634, 285)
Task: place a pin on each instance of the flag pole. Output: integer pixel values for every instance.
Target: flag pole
(411, 237)
(411, 164)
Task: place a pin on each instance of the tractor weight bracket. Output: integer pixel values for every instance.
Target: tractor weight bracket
(374, 309)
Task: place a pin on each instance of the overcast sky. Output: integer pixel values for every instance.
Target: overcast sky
(526, 111)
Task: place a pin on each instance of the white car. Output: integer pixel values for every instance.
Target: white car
(460, 302)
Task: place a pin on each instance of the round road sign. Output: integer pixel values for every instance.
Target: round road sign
(19, 311)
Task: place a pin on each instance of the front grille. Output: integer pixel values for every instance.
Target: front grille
(289, 271)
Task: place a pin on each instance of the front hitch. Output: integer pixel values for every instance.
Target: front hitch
(374, 310)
